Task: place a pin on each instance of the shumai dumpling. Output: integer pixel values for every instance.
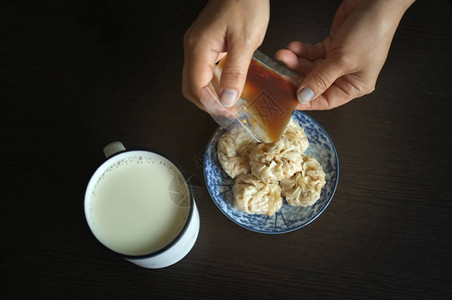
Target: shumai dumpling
(254, 196)
(304, 188)
(233, 151)
(275, 161)
(295, 134)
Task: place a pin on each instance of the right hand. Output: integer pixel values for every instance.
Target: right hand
(347, 63)
(235, 26)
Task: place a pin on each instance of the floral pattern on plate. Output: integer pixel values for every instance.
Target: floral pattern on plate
(288, 218)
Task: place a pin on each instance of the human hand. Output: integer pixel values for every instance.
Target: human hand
(347, 63)
(235, 27)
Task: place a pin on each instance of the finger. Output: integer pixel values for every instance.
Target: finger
(320, 79)
(211, 104)
(320, 103)
(220, 56)
(308, 51)
(332, 98)
(197, 73)
(234, 72)
(292, 61)
(339, 93)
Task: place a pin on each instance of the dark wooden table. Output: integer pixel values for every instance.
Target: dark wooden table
(78, 75)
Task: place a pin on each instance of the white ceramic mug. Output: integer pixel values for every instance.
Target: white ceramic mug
(139, 204)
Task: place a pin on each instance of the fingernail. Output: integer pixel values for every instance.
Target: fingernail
(305, 95)
(228, 97)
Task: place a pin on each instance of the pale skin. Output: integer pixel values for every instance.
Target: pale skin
(233, 26)
(342, 67)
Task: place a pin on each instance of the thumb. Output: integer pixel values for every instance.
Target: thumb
(233, 75)
(319, 80)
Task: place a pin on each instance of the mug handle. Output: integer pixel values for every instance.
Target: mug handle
(113, 148)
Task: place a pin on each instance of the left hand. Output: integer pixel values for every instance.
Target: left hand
(235, 27)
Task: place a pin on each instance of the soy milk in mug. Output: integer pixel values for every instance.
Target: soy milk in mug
(139, 205)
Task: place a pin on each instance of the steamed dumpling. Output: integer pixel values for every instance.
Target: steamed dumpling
(233, 151)
(295, 134)
(281, 159)
(254, 196)
(304, 188)
(265, 173)
(275, 161)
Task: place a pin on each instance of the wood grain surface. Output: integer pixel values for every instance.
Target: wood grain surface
(76, 75)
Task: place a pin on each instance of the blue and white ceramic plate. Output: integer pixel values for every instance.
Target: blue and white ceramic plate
(288, 218)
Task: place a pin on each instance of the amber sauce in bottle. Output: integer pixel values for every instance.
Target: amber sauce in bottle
(271, 100)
